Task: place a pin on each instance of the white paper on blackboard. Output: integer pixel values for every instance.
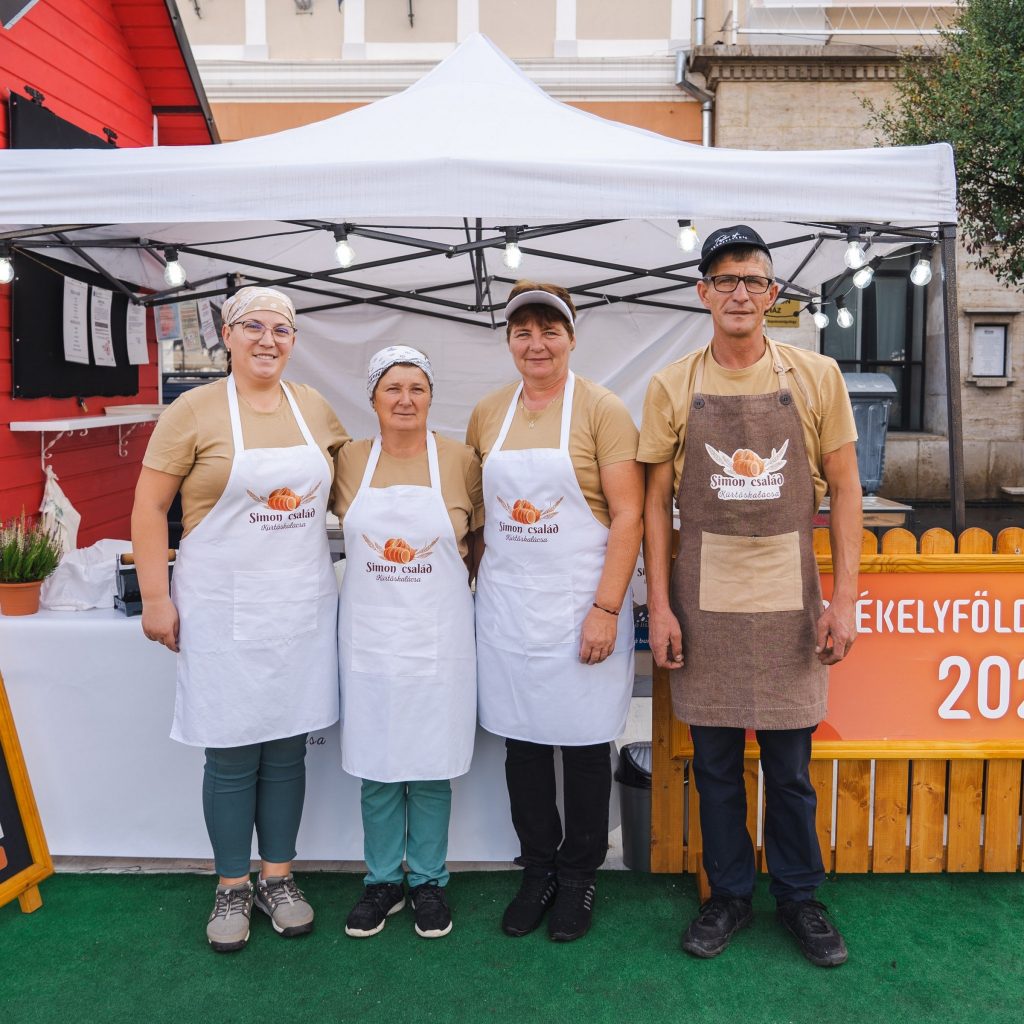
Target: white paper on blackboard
(99, 315)
(209, 332)
(76, 326)
(135, 328)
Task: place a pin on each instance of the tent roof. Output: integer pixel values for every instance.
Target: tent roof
(475, 137)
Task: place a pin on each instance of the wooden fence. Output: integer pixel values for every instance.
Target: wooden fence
(878, 810)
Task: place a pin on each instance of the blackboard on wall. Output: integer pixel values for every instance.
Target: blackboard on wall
(24, 858)
(37, 336)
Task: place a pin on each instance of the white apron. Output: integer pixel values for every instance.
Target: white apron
(544, 557)
(258, 602)
(408, 661)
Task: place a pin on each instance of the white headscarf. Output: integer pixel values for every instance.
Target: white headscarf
(382, 361)
(245, 300)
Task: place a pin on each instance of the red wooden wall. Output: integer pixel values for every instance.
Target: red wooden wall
(99, 64)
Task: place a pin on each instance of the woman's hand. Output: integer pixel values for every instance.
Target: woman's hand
(597, 638)
(160, 622)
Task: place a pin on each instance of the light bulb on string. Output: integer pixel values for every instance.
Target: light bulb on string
(864, 276)
(6, 269)
(687, 238)
(854, 257)
(174, 272)
(513, 257)
(344, 254)
(843, 316)
(922, 273)
(818, 315)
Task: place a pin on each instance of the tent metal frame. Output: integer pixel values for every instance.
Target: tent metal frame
(338, 288)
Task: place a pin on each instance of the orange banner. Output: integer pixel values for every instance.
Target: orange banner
(939, 656)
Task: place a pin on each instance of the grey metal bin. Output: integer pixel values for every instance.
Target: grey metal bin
(871, 395)
(634, 778)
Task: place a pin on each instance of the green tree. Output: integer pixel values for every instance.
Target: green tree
(969, 92)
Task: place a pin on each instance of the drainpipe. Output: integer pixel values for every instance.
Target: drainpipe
(706, 99)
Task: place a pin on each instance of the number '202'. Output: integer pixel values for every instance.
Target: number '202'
(993, 686)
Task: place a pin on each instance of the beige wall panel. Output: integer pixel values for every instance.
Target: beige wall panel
(312, 36)
(614, 19)
(246, 120)
(387, 21)
(222, 23)
(521, 28)
(676, 120)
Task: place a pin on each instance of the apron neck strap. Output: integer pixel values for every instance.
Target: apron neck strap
(777, 365)
(432, 463)
(563, 436)
(236, 419)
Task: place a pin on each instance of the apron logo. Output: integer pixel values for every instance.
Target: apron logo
(748, 476)
(526, 518)
(286, 508)
(399, 553)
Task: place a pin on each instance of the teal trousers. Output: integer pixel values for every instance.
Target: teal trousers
(406, 820)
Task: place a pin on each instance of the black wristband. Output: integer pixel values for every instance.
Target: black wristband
(601, 608)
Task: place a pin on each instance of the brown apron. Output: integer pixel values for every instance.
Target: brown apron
(745, 584)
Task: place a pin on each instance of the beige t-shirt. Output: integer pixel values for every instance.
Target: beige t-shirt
(817, 385)
(192, 439)
(601, 433)
(461, 485)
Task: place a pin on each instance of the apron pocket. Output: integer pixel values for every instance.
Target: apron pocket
(533, 613)
(275, 604)
(392, 642)
(750, 574)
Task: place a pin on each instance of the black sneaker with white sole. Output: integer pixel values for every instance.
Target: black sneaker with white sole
(375, 906)
(430, 910)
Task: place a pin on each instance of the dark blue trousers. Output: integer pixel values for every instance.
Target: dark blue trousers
(790, 841)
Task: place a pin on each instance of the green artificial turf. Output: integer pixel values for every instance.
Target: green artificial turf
(941, 949)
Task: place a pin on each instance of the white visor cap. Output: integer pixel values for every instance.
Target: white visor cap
(539, 297)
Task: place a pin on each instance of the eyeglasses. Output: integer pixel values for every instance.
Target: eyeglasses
(253, 330)
(730, 282)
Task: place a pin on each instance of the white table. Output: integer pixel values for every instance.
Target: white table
(93, 700)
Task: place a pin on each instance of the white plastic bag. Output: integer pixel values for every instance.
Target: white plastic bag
(59, 516)
(85, 578)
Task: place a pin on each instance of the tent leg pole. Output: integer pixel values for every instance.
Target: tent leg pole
(954, 415)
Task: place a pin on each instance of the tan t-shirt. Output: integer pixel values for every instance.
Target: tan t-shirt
(601, 433)
(461, 486)
(192, 439)
(817, 385)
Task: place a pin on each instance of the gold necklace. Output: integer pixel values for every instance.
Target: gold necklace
(531, 417)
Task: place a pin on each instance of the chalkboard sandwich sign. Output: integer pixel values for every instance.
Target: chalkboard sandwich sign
(24, 859)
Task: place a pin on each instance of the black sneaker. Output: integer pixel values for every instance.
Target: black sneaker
(819, 938)
(525, 912)
(715, 924)
(574, 907)
(432, 916)
(375, 906)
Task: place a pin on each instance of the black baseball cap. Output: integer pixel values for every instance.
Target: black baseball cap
(739, 235)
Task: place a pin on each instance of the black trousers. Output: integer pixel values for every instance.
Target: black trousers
(790, 841)
(587, 785)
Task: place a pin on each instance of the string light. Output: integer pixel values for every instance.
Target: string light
(687, 238)
(818, 315)
(922, 273)
(6, 266)
(864, 276)
(854, 256)
(174, 272)
(843, 316)
(343, 251)
(513, 254)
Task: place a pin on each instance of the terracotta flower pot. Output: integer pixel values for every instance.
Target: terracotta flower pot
(20, 598)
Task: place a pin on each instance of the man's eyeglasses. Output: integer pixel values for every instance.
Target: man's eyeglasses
(253, 330)
(730, 282)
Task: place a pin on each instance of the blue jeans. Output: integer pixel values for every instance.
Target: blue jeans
(790, 841)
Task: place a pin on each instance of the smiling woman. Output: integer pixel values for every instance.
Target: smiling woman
(253, 460)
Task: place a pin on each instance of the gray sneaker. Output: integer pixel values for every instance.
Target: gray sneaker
(228, 927)
(282, 901)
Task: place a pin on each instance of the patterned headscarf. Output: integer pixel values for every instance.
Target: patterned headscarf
(382, 361)
(253, 297)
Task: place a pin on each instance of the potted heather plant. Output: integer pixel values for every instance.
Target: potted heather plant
(28, 554)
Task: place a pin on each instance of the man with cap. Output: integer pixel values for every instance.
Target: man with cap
(747, 435)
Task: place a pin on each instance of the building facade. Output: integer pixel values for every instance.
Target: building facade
(765, 74)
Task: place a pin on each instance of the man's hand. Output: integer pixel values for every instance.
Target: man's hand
(836, 632)
(666, 639)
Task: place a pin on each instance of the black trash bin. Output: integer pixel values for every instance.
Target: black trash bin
(634, 778)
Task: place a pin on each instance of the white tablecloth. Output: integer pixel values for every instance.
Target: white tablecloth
(92, 702)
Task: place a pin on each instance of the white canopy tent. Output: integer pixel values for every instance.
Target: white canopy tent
(429, 185)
